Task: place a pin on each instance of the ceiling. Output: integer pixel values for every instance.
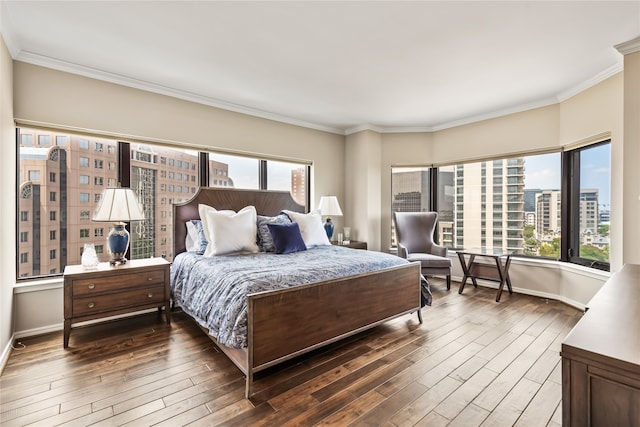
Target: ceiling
(332, 65)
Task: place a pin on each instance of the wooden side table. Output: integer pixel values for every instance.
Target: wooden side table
(112, 290)
(496, 270)
(353, 244)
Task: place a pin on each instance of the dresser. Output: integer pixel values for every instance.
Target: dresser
(114, 290)
(601, 357)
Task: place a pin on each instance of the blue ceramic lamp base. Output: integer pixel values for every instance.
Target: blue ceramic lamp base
(328, 227)
(118, 241)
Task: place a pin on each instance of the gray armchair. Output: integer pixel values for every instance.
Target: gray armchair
(414, 232)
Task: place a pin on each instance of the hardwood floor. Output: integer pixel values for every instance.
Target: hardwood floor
(473, 362)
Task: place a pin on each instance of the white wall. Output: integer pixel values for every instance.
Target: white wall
(7, 199)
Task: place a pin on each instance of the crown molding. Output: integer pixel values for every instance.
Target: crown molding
(93, 73)
(44, 61)
(631, 46)
(600, 77)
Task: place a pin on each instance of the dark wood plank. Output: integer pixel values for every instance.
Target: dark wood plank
(472, 361)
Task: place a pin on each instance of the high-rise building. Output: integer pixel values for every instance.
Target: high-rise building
(299, 185)
(548, 211)
(589, 211)
(62, 177)
(489, 208)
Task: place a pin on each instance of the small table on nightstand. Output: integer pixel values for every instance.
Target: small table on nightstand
(110, 290)
(353, 244)
(497, 270)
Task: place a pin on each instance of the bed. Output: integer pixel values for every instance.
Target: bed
(322, 312)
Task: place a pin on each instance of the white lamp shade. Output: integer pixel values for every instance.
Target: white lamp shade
(329, 206)
(118, 204)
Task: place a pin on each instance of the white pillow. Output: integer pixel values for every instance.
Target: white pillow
(311, 227)
(203, 211)
(229, 232)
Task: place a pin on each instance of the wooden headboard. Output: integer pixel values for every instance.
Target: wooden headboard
(268, 203)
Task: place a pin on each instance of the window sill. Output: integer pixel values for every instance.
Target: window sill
(38, 285)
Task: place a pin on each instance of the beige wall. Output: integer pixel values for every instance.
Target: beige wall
(631, 159)
(61, 99)
(7, 198)
(363, 180)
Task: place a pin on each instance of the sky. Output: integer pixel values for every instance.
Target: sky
(543, 172)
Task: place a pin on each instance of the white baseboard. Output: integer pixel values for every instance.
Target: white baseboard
(60, 326)
(4, 358)
(39, 331)
(525, 291)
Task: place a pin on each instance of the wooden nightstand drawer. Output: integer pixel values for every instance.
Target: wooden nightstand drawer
(136, 297)
(110, 290)
(117, 282)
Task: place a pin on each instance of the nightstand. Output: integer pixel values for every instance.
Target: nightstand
(353, 244)
(112, 290)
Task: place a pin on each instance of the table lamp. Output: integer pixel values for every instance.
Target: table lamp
(118, 205)
(329, 206)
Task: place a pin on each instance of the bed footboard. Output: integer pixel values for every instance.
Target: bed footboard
(284, 324)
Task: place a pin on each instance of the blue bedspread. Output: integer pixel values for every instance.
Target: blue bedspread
(213, 290)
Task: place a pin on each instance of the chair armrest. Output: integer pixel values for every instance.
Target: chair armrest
(402, 251)
(439, 250)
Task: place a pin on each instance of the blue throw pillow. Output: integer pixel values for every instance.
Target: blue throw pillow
(265, 242)
(287, 238)
(202, 239)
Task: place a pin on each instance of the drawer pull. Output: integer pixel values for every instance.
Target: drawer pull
(91, 286)
(91, 305)
(149, 279)
(150, 294)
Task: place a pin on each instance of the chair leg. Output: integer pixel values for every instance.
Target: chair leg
(420, 316)
(448, 282)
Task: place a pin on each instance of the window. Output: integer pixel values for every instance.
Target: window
(44, 140)
(72, 178)
(147, 235)
(34, 175)
(24, 258)
(24, 236)
(588, 205)
(290, 177)
(52, 254)
(535, 212)
(233, 171)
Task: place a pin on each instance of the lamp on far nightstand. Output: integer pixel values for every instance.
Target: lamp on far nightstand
(118, 205)
(329, 206)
